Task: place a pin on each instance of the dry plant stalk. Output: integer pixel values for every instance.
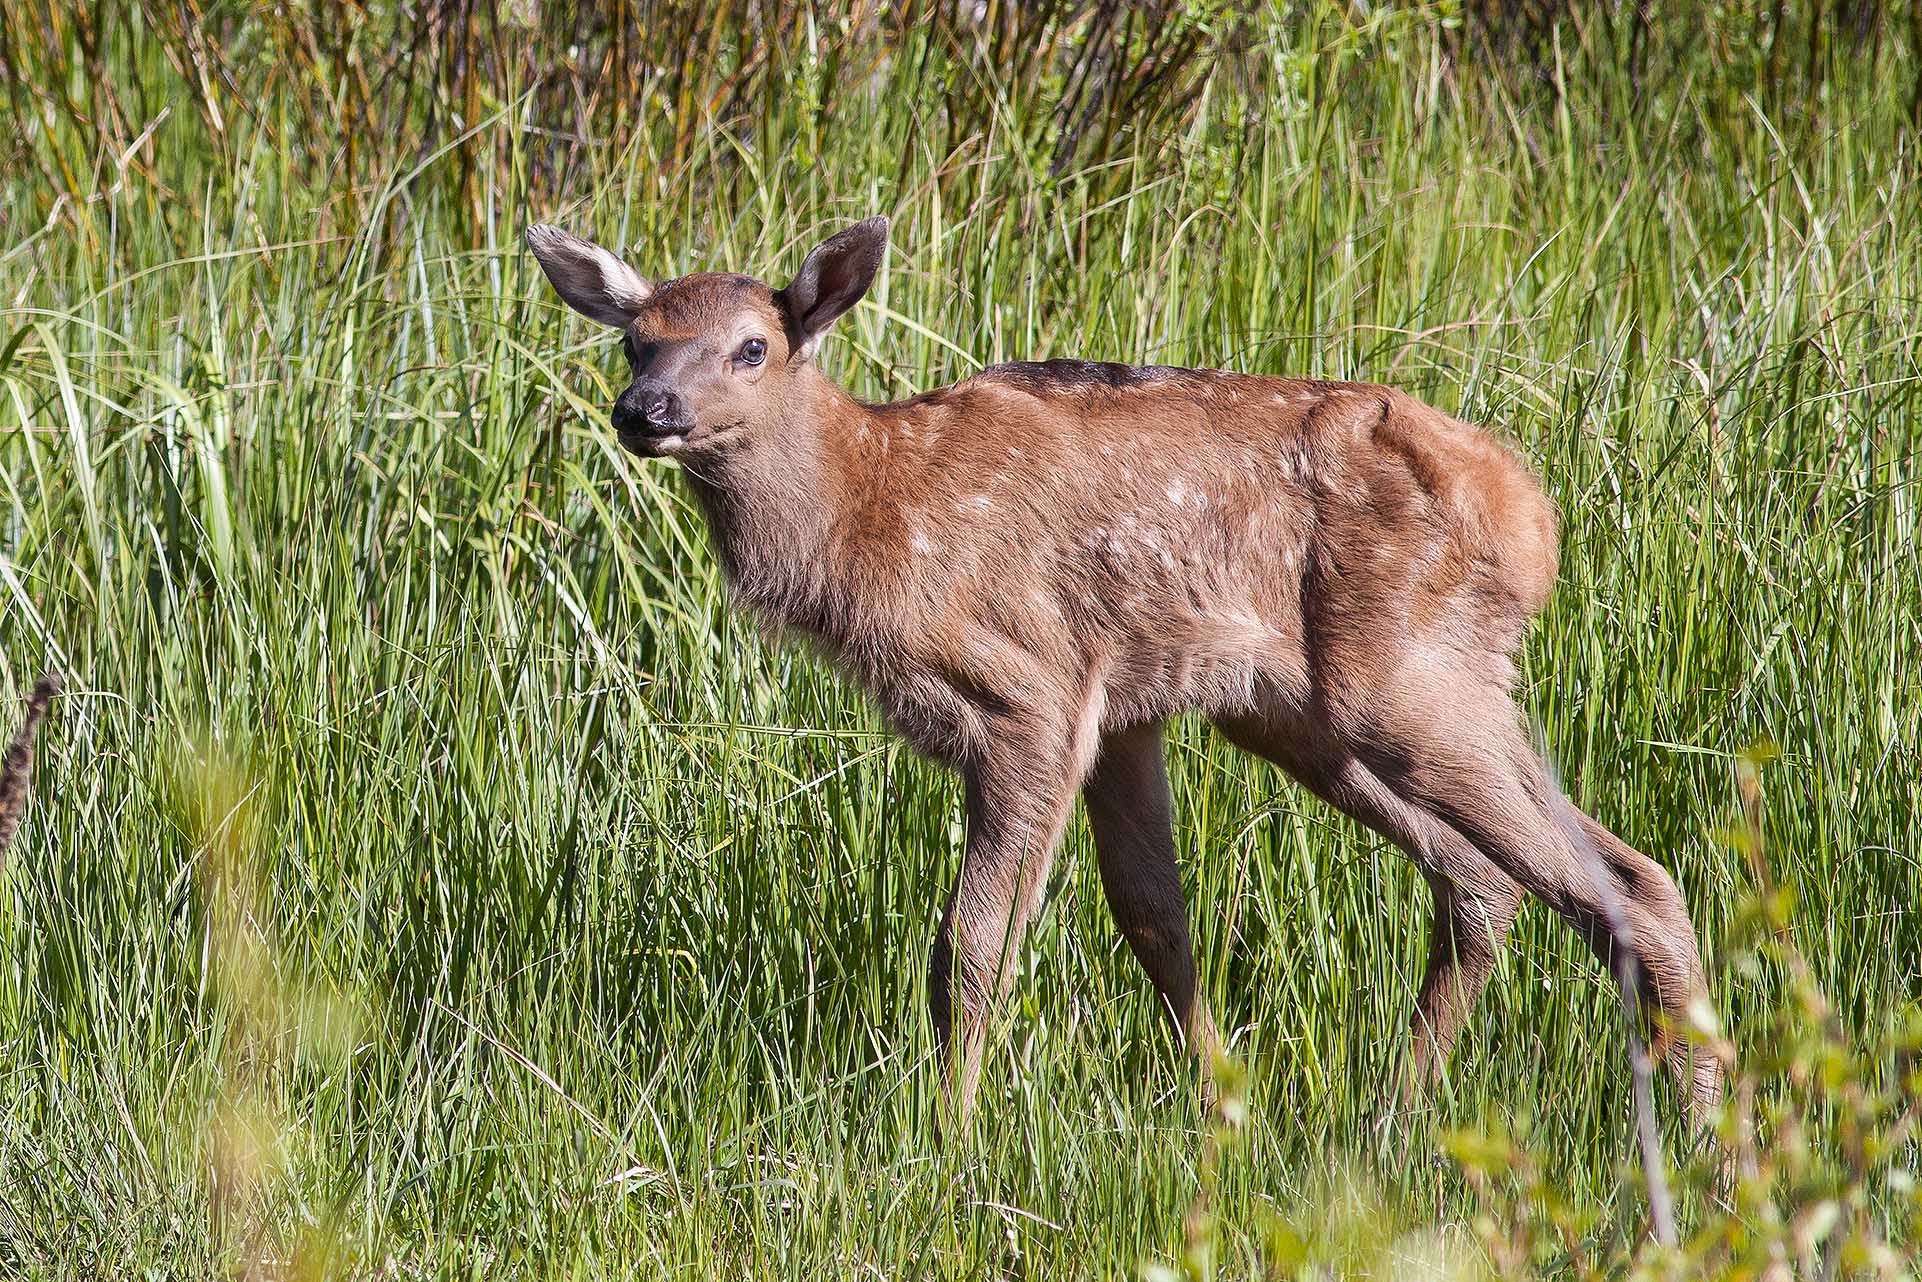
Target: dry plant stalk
(17, 774)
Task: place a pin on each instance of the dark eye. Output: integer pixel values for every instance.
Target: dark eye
(752, 352)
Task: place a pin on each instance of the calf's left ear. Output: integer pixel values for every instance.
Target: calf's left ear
(832, 279)
(588, 278)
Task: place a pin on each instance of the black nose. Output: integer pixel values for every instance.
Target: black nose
(648, 404)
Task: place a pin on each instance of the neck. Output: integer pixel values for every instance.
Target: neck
(772, 504)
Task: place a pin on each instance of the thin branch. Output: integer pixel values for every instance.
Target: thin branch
(1661, 1203)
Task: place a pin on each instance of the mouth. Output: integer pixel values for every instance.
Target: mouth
(653, 444)
(668, 442)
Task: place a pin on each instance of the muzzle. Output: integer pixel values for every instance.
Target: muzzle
(650, 410)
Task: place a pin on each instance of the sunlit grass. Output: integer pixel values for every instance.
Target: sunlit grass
(574, 929)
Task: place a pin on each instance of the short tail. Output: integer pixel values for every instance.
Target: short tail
(17, 773)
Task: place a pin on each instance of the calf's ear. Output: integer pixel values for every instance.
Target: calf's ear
(832, 279)
(589, 279)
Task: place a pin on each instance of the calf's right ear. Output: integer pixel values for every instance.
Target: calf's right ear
(588, 278)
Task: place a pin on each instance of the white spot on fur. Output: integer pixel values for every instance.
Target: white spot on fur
(975, 502)
(1244, 625)
(923, 544)
(1014, 451)
(1177, 492)
(1087, 731)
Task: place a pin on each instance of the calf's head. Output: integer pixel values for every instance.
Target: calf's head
(719, 361)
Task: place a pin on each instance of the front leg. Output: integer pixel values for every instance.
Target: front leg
(1018, 798)
(1131, 814)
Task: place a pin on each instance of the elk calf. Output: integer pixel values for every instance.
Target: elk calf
(1033, 569)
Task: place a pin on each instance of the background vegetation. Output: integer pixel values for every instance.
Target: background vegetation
(427, 876)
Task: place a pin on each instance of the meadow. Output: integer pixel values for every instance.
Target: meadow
(427, 875)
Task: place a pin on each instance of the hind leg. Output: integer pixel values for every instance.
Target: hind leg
(1456, 749)
(1470, 925)
(1653, 907)
(1475, 902)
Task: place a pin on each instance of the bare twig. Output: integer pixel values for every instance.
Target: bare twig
(1661, 1203)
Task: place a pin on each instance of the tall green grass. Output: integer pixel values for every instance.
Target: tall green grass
(428, 876)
